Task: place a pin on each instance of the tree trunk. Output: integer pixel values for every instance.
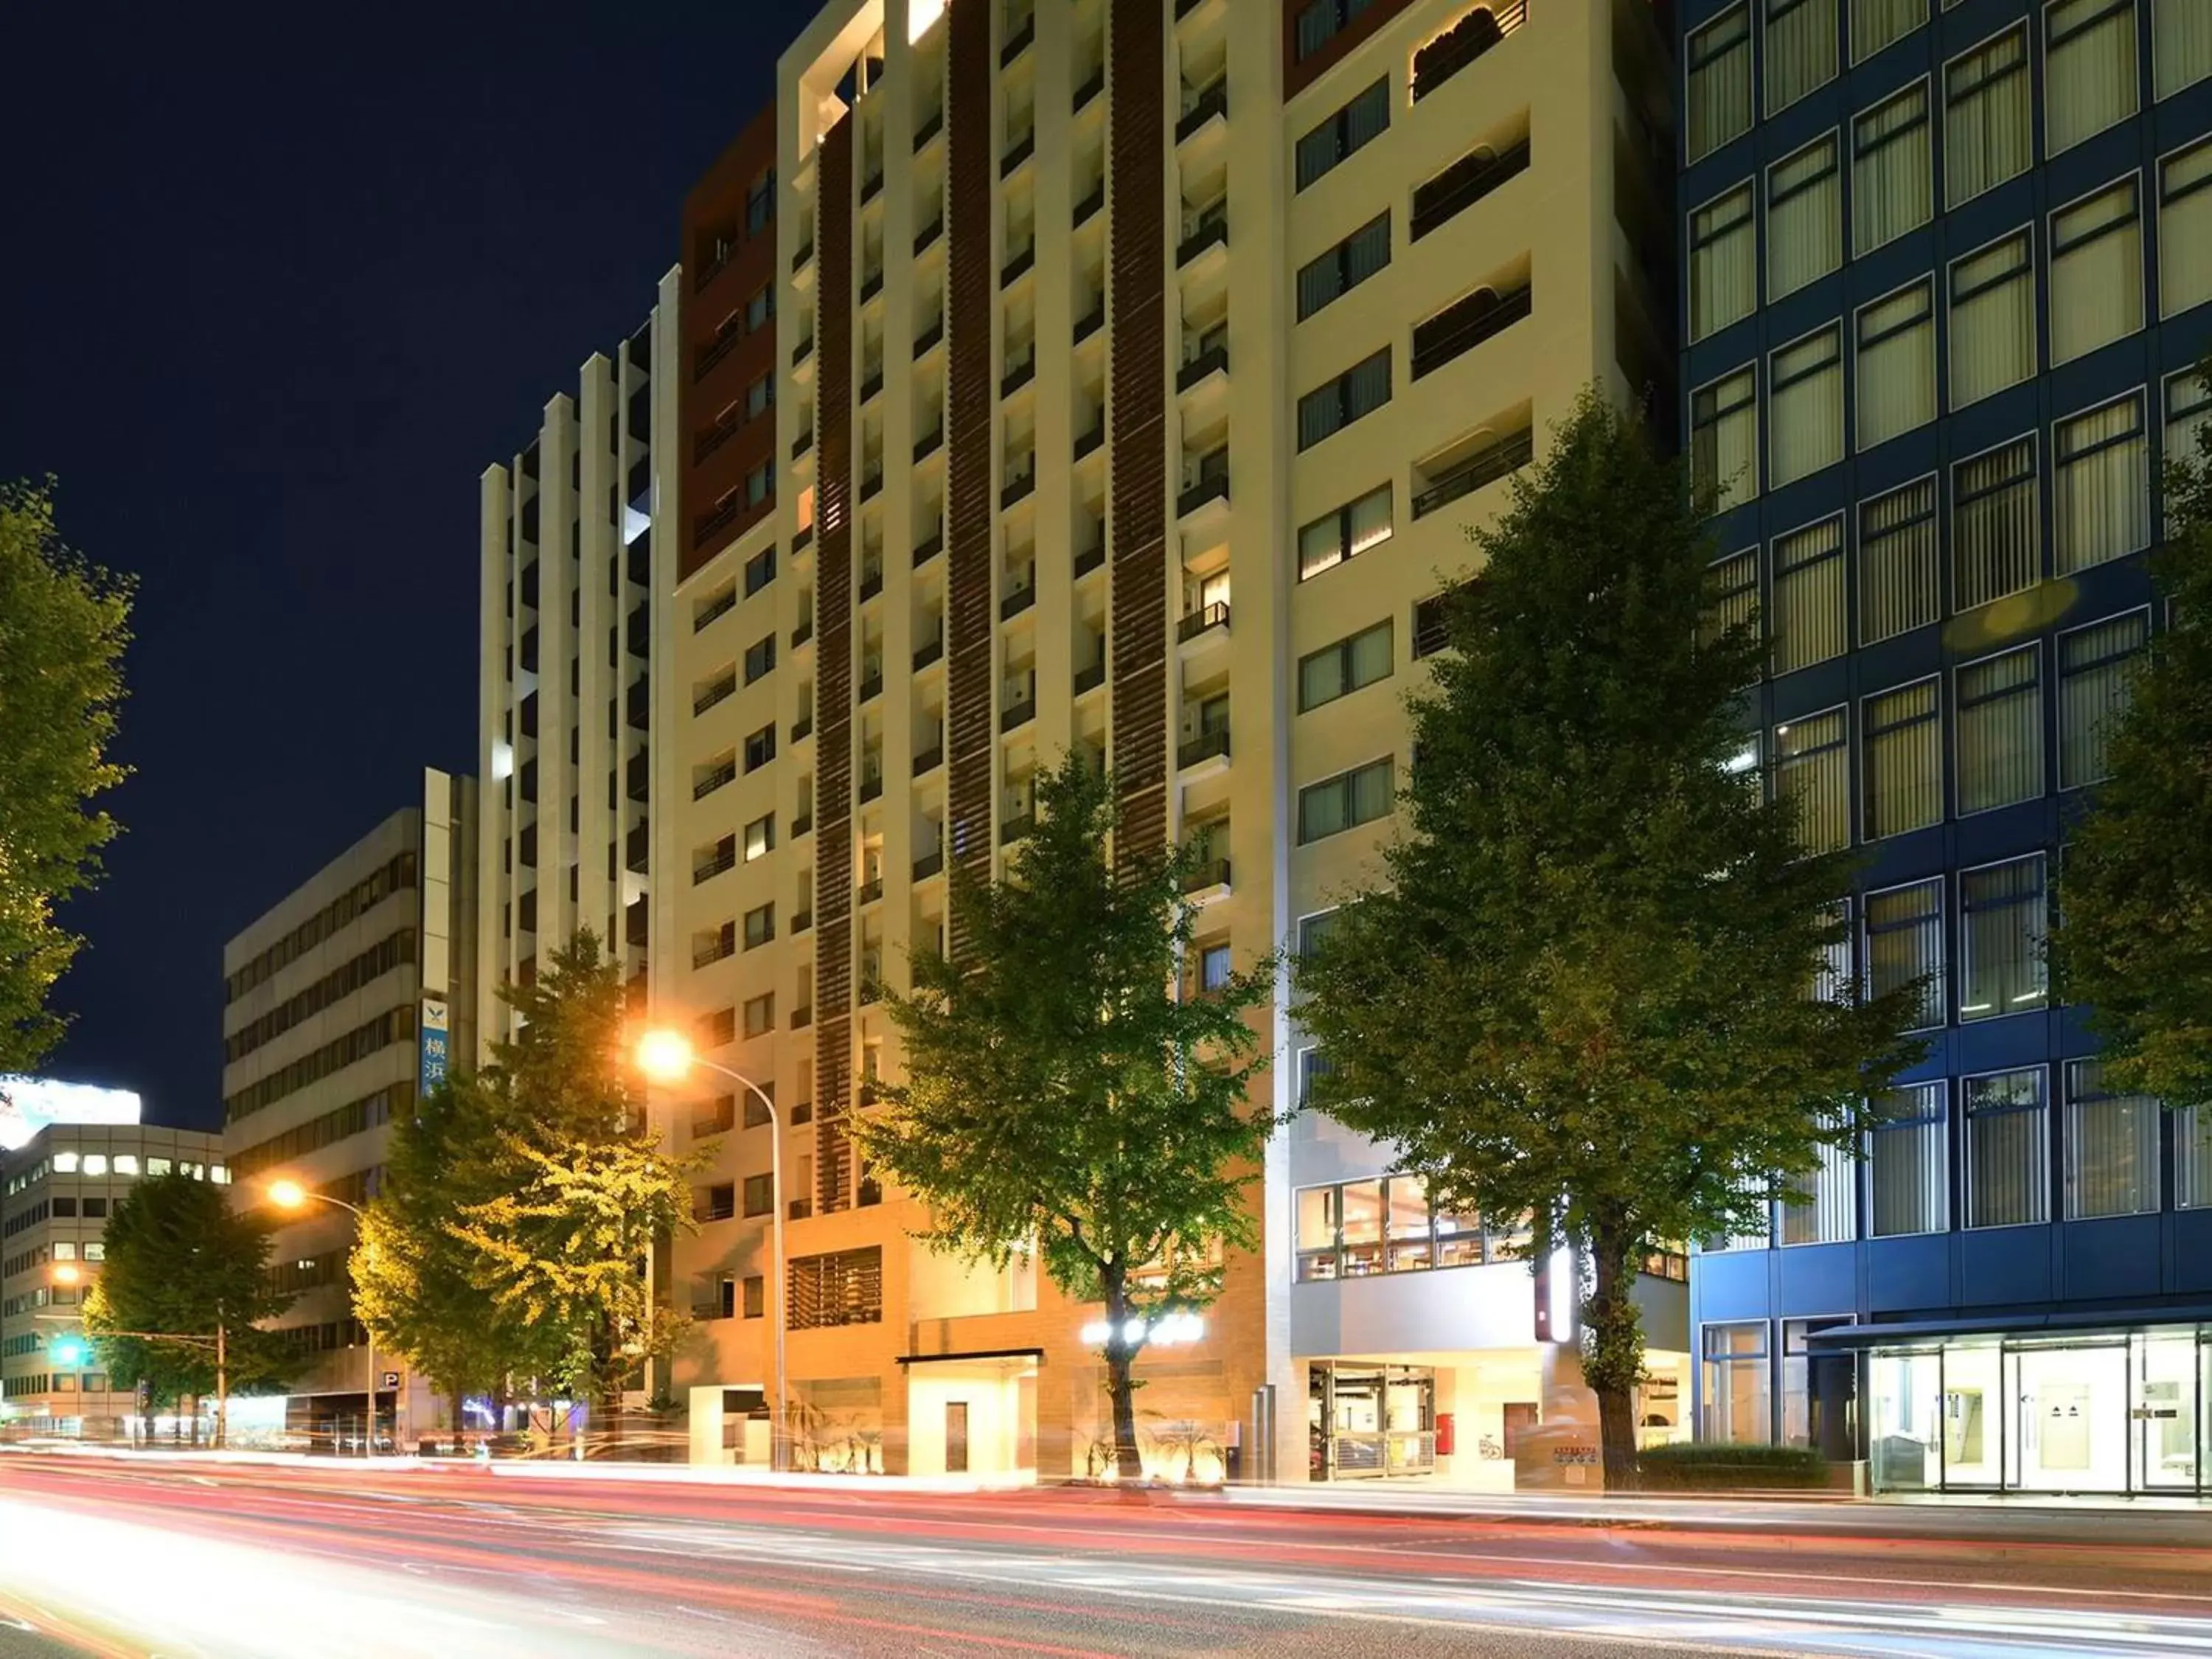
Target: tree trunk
(1120, 1387)
(1612, 1358)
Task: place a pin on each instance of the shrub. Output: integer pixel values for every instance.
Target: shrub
(1707, 1466)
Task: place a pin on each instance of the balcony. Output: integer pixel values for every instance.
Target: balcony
(1019, 827)
(868, 1192)
(1460, 328)
(1090, 679)
(802, 824)
(928, 340)
(799, 1208)
(1204, 620)
(1017, 600)
(872, 382)
(871, 785)
(1204, 747)
(802, 538)
(637, 847)
(931, 125)
(931, 650)
(1019, 373)
(639, 780)
(1086, 442)
(1213, 104)
(1463, 183)
(1017, 153)
(929, 864)
(803, 350)
(720, 605)
(1207, 879)
(871, 686)
(802, 1016)
(1460, 45)
(871, 483)
(872, 582)
(725, 687)
(1090, 559)
(1018, 266)
(1486, 465)
(929, 759)
(707, 442)
(872, 185)
(1018, 486)
(802, 443)
(1211, 231)
(1019, 41)
(801, 255)
(800, 921)
(1093, 199)
(724, 344)
(1212, 485)
(1214, 360)
(706, 786)
(724, 944)
(1093, 84)
(871, 285)
(1015, 715)
(930, 442)
(868, 892)
(928, 548)
(639, 705)
(1091, 320)
(801, 729)
(802, 632)
(928, 234)
(708, 868)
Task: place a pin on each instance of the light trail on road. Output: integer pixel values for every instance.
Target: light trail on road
(123, 1556)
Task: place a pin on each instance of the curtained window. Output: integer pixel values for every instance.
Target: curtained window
(1349, 799)
(2111, 1146)
(1820, 1206)
(1891, 184)
(1345, 266)
(1734, 582)
(1805, 415)
(1723, 262)
(2096, 668)
(1875, 23)
(1724, 439)
(1366, 117)
(1903, 738)
(2008, 1149)
(2188, 416)
(2001, 925)
(1999, 704)
(1909, 1168)
(1905, 946)
(2096, 271)
(1344, 534)
(1812, 768)
(1738, 1385)
(1719, 82)
(2181, 43)
(1804, 217)
(1898, 587)
(1992, 318)
(1332, 406)
(2100, 485)
(2090, 77)
(2192, 1158)
(1896, 388)
(1988, 127)
(1800, 47)
(2184, 228)
(1806, 613)
(1996, 547)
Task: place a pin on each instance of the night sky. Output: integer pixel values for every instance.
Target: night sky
(276, 285)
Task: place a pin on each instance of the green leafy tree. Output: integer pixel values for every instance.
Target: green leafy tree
(2134, 933)
(1583, 992)
(182, 1262)
(1060, 1095)
(63, 625)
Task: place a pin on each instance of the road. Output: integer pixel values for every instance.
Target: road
(185, 1558)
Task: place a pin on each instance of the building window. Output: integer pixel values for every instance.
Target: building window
(760, 484)
(1821, 1205)
(2184, 226)
(1897, 364)
(1724, 439)
(1337, 804)
(760, 926)
(2101, 484)
(1997, 548)
(1898, 587)
(1801, 49)
(1719, 81)
(2192, 1158)
(760, 837)
(1807, 620)
(1320, 20)
(1345, 267)
(1892, 181)
(757, 1115)
(2089, 76)
(2111, 1147)
(760, 1014)
(2000, 722)
(1905, 946)
(760, 748)
(1360, 390)
(1908, 1174)
(1804, 217)
(2008, 1149)
(760, 658)
(2188, 415)
(1356, 1229)
(1875, 23)
(1988, 127)
(1992, 318)
(1734, 599)
(1903, 738)
(1346, 533)
(1739, 1404)
(760, 570)
(843, 1288)
(1215, 967)
(756, 1291)
(2096, 669)
(2096, 272)
(1350, 663)
(1723, 262)
(760, 1195)
(2001, 908)
(760, 204)
(2181, 43)
(1805, 416)
(1812, 768)
(1367, 115)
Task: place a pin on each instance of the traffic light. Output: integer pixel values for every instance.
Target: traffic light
(66, 1351)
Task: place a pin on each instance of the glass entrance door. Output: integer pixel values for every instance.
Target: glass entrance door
(2164, 1413)
(1372, 1420)
(2068, 1418)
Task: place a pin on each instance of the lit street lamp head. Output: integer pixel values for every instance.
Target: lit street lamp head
(68, 1273)
(663, 1056)
(286, 1194)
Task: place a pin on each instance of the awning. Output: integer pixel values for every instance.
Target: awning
(972, 1354)
(2073, 1322)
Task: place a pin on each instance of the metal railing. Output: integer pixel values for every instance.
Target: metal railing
(1486, 465)
(1205, 746)
(1206, 616)
(1460, 328)
(1463, 183)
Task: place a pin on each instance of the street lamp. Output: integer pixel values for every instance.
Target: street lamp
(666, 1058)
(286, 1194)
(68, 1273)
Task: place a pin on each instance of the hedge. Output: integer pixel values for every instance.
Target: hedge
(1706, 1465)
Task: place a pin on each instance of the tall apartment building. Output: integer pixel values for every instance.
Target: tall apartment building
(1947, 270)
(565, 712)
(1131, 374)
(341, 1004)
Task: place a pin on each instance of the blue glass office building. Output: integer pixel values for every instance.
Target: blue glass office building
(1947, 269)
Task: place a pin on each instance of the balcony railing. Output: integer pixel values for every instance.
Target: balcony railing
(1202, 620)
(801, 255)
(928, 548)
(871, 186)
(1213, 873)
(802, 443)
(1090, 679)
(930, 442)
(802, 538)
(1090, 559)
(1093, 199)
(926, 341)
(725, 687)
(873, 787)
(871, 383)
(803, 632)
(871, 583)
(1211, 485)
(931, 125)
(1017, 485)
(871, 285)
(1017, 827)
(714, 779)
(803, 1016)
(1017, 601)
(720, 605)
(707, 954)
(871, 687)
(798, 1209)
(929, 651)
(872, 482)
(928, 864)
(1019, 266)
(802, 825)
(1093, 84)
(800, 352)
(928, 234)
(1210, 103)
(1017, 153)
(1460, 328)
(1017, 713)
(1086, 442)
(1463, 183)
(1019, 41)
(1211, 231)
(1214, 357)
(800, 921)
(1460, 45)
(1091, 320)
(1486, 465)
(869, 891)
(708, 442)
(723, 345)
(802, 728)
(1018, 374)
(705, 869)
(929, 759)
(1205, 746)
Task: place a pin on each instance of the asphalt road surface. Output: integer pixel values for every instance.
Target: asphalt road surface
(189, 1559)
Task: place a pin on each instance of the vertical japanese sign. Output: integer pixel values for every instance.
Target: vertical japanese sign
(436, 1045)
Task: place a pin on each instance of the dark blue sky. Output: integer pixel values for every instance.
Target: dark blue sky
(274, 285)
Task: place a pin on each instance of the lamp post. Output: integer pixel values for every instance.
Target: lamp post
(666, 1058)
(291, 1195)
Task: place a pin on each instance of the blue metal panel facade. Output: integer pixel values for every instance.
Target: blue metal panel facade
(2134, 1272)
